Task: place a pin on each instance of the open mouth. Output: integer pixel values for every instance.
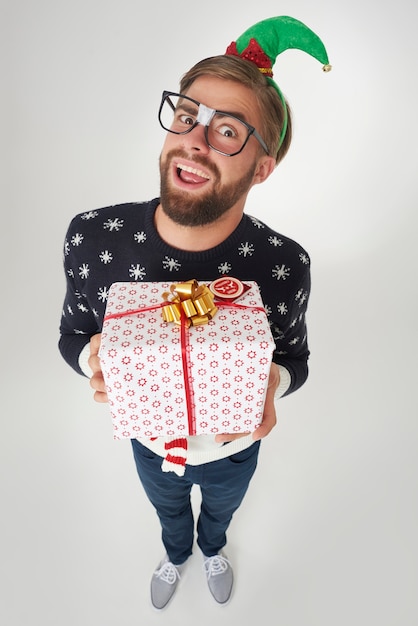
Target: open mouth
(191, 175)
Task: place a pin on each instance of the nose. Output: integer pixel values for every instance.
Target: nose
(196, 139)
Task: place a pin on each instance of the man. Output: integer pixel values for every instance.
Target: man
(227, 129)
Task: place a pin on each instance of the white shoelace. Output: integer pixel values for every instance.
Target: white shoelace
(215, 565)
(168, 573)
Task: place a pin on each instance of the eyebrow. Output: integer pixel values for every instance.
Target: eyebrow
(236, 114)
(187, 105)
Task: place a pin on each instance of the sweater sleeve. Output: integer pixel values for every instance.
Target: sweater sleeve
(291, 338)
(78, 321)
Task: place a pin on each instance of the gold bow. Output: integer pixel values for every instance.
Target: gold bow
(195, 301)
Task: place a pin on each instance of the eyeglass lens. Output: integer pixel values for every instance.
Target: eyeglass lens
(225, 133)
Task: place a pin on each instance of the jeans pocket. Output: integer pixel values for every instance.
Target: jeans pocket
(245, 455)
(142, 451)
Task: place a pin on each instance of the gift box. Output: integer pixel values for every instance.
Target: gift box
(180, 378)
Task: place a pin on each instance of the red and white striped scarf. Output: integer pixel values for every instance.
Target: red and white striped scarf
(176, 455)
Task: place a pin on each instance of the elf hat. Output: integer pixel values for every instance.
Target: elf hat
(263, 42)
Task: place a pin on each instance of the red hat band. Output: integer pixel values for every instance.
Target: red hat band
(254, 53)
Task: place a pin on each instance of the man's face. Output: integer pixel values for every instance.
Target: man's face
(198, 185)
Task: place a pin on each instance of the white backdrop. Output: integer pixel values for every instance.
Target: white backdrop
(327, 534)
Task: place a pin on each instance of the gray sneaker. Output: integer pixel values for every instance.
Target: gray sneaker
(164, 582)
(220, 577)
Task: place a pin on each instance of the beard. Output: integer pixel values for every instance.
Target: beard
(190, 210)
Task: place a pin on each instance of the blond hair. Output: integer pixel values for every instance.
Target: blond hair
(247, 73)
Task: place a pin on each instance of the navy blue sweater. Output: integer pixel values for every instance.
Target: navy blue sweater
(120, 243)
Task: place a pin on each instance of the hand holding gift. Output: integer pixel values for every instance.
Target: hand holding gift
(97, 381)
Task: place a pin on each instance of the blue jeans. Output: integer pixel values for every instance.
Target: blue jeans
(223, 485)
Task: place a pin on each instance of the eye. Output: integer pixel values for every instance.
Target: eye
(226, 131)
(187, 119)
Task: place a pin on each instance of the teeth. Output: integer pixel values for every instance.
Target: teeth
(192, 170)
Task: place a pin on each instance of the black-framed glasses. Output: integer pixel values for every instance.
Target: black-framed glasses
(224, 133)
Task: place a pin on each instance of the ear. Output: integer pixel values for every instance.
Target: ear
(265, 167)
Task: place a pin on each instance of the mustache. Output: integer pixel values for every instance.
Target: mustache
(199, 160)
